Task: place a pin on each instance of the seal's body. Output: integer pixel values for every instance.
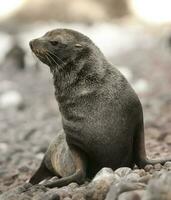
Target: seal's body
(101, 114)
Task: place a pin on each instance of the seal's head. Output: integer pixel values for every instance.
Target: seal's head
(60, 46)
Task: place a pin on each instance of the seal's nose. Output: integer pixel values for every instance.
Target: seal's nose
(34, 44)
(31, 44)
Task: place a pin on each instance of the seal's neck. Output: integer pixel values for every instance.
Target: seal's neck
(86, 67)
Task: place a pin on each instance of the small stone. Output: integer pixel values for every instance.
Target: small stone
(123, 171)
(145, 179)
(11, 99)
(132, 177)
(123, 186)
(147, 168)
(141, 86)
(167, 165)
(100, 185)
(40, 156)
(159, 187)
(131, 195)
(3, 147)
(78, 196)
(27, 185)
(154, 133)
(168, 139)
(23, 169)
(140, 172)
(63, 192)
(105, 174)
(50, 196)
(73, 185)
(158, 166)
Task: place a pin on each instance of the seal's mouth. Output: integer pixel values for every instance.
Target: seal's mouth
(41, 53)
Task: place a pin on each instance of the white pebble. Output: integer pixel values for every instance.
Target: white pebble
(141, 86)
(40, 156)
(104, 174)
(126, 72)
(3, 147)
(11, 99)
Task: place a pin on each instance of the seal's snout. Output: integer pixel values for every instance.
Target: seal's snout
(34, 44)
(31, 44)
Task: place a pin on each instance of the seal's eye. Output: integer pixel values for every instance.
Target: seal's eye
(54, 43)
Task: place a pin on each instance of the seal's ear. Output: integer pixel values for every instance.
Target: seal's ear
(78, 45)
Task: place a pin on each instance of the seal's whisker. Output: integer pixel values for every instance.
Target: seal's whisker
(52, 58)
(57, 57)
(34, 57)
(48, 58)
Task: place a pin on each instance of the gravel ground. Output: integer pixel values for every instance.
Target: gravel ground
(26, 127)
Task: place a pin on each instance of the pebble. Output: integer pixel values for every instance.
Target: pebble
(121, 187)
(99, 186)
(168, 139)
(140, 172)
(50, 196)
(131, 195)
(123, 171)
(78, 196)
(132, 177)
(11, 99)
(159, 187)
(6, 85)
(3, 147)
(141, 86)
(73, 185)
(40, 156)
(145, 179)
(158, 166)
(167, 165)
(104, 175)
(147, 168)
(24, 169)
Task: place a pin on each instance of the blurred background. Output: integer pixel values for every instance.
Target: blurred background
(134, 35)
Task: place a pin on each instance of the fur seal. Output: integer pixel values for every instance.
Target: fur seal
(102, 116)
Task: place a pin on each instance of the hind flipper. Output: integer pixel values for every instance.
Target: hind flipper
(41, 174)
(78, 176)
(140, 157)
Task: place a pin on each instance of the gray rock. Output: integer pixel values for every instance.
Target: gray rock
(24, 192)
(145, 179)
(104, 175)
(123, 186)
(100, 185)
(131, 195)
(123, 171)
(73, 185)
(140, 172)
(147, 168)
(159, 187)
(50, 196)
(158, 167)
(167, 165)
